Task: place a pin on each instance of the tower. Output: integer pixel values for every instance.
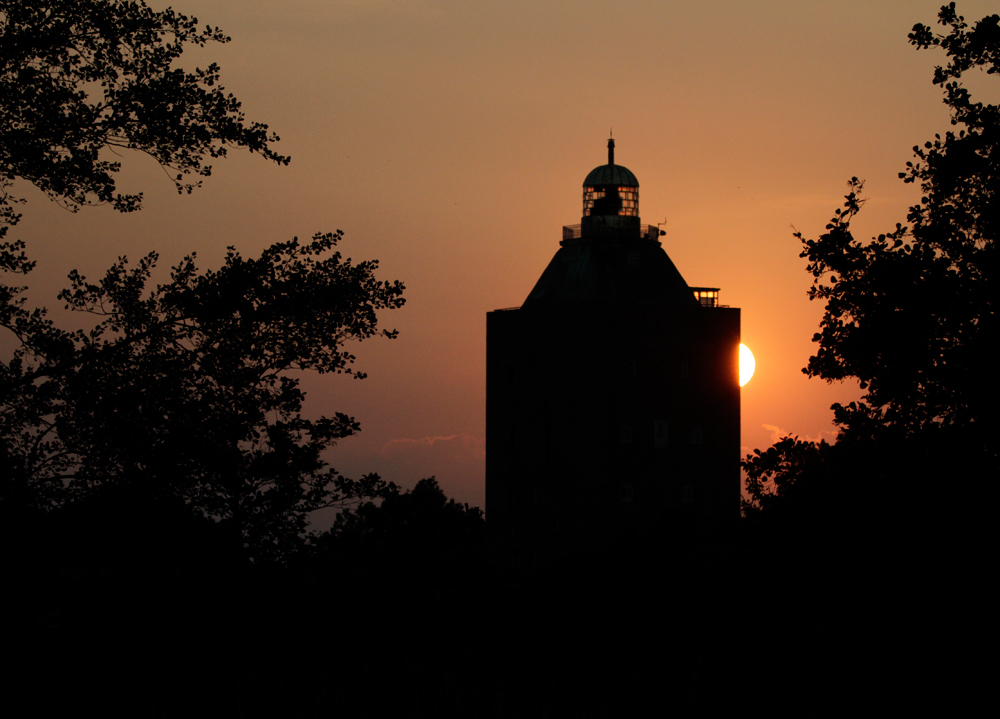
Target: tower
(612, 393)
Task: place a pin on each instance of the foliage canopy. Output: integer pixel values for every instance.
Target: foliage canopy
(911, 313)
(186, 393)
(85, 79)
(184, 389)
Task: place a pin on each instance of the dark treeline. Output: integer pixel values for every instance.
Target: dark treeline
(402, 609)
(121, 609)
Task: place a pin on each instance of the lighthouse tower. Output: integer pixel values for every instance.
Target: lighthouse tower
(612, 393)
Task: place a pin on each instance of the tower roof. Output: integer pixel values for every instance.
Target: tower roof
(602, 273)
(610, 257)
(611, 174)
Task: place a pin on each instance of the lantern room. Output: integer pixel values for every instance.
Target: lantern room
(611, 190)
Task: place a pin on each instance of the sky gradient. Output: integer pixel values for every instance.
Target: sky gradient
(449, 140)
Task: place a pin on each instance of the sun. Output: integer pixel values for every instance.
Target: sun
(747, 364)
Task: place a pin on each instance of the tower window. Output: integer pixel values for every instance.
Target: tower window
(696, 434)
(660, 434)
(628, 492)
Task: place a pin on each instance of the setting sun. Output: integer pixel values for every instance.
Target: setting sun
(747, 364)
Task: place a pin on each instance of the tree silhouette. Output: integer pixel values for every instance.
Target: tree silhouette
(81, 78)
(409, 533)
(775, 477)
(911, 313)
(184, 392)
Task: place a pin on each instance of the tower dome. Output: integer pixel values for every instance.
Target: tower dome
(611, 190)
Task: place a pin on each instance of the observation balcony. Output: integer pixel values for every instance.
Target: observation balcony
(647, 232)
(707, 296)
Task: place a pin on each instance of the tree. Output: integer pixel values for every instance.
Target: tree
(774, 476)
(419, 521)
(186, 392)
(83, 78)
(417, 539)
(911, 313)
(185, 389)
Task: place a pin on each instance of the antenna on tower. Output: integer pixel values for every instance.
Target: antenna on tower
(658, 224)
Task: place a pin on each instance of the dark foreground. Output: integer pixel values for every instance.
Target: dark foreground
(140, 619)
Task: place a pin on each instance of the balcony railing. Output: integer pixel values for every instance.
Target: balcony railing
(574, 232)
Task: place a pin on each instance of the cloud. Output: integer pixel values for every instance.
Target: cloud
(474, 447)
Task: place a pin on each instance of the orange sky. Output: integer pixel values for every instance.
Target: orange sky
(450, 140)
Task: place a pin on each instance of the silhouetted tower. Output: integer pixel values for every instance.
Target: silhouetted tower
(612, 393)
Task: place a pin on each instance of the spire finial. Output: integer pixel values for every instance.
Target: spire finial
(611, 151)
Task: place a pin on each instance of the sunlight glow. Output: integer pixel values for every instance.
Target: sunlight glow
(747, 364)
